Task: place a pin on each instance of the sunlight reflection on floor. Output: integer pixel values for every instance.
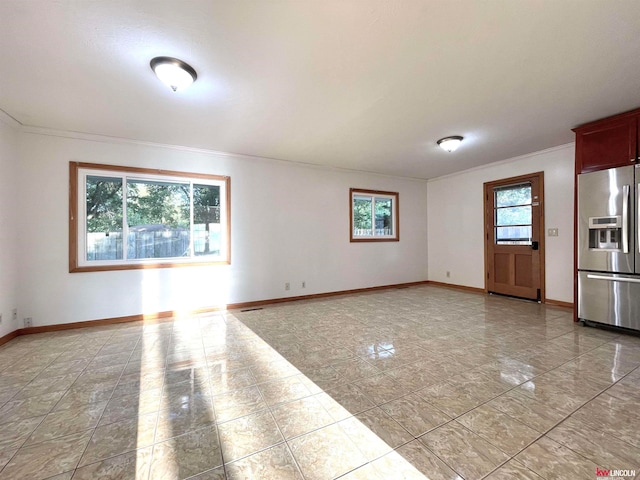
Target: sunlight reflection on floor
(211, 348)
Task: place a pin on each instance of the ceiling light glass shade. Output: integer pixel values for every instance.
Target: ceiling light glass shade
(450, 144)
(173, 72)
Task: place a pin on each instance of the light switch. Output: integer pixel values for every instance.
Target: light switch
(552, 232)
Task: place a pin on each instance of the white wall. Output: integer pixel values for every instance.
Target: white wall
(8, 226)
(455, 220)
(289, 223)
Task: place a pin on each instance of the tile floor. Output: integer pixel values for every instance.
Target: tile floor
(422, 382)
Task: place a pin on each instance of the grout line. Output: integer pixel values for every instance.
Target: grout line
(112, 392)
(469, 410)
(213, 405)
(560, 422)
(304, 332)
(492, 398)
(269, 407)
(52, 410)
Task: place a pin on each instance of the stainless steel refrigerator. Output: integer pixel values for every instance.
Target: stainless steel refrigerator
(609, 246)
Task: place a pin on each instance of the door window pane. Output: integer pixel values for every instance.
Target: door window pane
(513, 216)
(513, 235)
(158, 217)
(513, 195)
(104, 218)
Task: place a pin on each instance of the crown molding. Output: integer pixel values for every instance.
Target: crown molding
(92, 137)
(9, 120)
(506, 160)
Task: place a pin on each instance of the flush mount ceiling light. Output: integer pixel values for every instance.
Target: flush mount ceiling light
(173, 72)
(450, 144)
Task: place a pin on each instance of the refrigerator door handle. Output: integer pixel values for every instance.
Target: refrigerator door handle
(625, 219)
(613, 279)
(638, 220)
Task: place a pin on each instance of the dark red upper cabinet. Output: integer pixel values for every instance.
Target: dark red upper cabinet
(607, 143)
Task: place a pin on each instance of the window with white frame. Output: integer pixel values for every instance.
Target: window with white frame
(124, 217)
(374, 216)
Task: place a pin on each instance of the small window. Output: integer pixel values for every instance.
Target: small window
(512, 214)
(124, 218)
(374, 216)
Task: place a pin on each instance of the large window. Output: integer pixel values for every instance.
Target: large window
(125, 218)
(374, 216)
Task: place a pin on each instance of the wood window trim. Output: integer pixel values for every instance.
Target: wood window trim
(74, 214)
(396, 214)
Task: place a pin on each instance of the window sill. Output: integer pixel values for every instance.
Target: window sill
(141, 266)
(355, 240)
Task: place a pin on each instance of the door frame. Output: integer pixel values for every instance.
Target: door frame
(541, 228)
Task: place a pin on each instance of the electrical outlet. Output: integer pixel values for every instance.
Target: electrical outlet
(304, 284)
(448, 274)
(552, 232)
(14, 314)
(287, 286)
(28, 322)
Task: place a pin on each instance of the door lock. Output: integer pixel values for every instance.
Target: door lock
(534, 245)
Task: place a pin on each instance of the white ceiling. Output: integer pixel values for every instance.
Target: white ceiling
(359, 84)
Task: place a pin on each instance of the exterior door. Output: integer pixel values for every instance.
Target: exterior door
(514, 236)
